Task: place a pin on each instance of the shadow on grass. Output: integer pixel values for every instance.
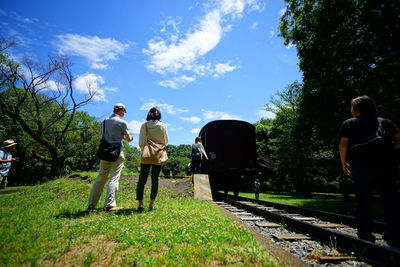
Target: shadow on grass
(84, 213)
(9, 191)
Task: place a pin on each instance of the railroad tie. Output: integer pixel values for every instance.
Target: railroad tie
(290, 237)
(305, 219)
(242, 213)
(291, 214)
(270, 209)
(270, 225)
(234, 209)
(335, 259)
(251, 218)
(330, 225)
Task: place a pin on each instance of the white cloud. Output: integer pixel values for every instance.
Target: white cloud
(86, 84)
(177, 82)
(173, 57)
(221, 69)
(254, 25)
(91, 83)
(173, 129)
(192, 119)
(96, 50)
(169, 109)
(215, 115)
(2, 12)
(52, 85)
(195, 130)
(15, 35)
(195, 5)
(40, 82)
(264, 114)
(134, 126)
(181, 53)
(49, 85)
(24, 19)
(290, 45)
(111, 89)
(271, 33)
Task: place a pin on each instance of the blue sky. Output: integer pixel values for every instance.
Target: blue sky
(198, 61)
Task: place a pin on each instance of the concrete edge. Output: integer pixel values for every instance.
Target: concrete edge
(279, 253)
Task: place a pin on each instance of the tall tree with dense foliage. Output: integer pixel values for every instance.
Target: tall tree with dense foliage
(346, 48)
(41, 100)
(286, 142)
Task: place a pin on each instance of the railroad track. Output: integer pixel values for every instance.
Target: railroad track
(329, 228)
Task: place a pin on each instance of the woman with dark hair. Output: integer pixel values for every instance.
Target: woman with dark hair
(368, 147)
(155, 131)
(198, 152)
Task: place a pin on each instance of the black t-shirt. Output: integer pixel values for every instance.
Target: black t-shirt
(362, 129)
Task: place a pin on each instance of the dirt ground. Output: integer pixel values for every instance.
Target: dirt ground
(181, 185)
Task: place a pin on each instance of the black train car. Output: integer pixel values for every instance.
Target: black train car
(231, 149)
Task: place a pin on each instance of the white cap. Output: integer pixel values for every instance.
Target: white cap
(119, 106)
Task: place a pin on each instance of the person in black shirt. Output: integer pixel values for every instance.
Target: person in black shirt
(371, 166)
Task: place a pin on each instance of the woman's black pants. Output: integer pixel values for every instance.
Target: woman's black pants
(144, 173)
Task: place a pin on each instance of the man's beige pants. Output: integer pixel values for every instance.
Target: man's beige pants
(107, 169)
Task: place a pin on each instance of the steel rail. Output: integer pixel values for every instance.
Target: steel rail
(365, 250)
(377, 226)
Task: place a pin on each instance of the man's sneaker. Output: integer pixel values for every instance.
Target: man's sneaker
(112, 208)
(151, 208)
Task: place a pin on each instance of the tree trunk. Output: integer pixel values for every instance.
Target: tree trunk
(57, 167)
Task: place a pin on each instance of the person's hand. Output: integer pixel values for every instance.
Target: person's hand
(127, 137)
(346, 169)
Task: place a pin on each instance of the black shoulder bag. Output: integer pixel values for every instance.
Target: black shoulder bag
(107, 151)
(378, 150)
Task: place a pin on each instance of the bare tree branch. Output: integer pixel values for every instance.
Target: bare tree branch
(45, 114)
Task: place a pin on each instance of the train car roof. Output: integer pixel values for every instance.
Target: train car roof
(219, 123)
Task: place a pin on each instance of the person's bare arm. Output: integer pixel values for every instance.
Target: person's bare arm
(343, 150)
(8, 160)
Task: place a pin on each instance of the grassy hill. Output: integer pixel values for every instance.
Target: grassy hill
(47, 225)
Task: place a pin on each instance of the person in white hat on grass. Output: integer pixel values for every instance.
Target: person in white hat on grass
(5, 161)
(115, 129)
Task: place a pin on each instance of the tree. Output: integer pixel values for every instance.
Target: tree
(286, 142)
(178, 159)
(263, 128)
(41, 99)
(81, 143)
(346, 48)
(132, 155)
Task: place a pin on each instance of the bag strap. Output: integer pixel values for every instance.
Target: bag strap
(149, 141)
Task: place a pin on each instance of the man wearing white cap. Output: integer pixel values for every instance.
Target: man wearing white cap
(5, 161)
(114, 130)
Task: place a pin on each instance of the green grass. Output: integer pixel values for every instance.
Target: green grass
(129, 173)
(47, 225)
(320, 201)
